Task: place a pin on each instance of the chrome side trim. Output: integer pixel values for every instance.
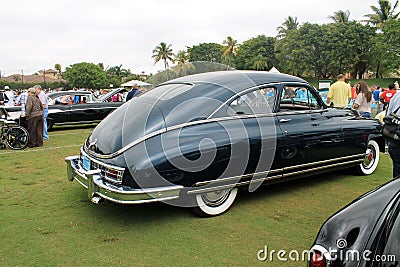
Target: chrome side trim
(324, 161)
(76, 122)
(221, 187)
(322, 167)
(237, 178)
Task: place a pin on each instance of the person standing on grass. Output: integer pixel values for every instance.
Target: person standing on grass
(363, 101)
(394, 147)
(34, 118)
(339, 93)
(45, 102)
(133, 92)
(388, 95)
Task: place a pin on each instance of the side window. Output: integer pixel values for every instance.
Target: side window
(297, 98)
(255, 102)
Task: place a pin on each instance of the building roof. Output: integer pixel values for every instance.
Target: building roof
(35, 78)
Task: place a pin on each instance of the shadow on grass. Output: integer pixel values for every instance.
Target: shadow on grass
(138, 213)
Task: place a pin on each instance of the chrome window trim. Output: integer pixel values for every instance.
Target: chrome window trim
(294, 112)
(248, 90)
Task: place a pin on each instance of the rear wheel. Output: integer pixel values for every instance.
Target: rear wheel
(17, 137)
(371, 159)
(214, 203)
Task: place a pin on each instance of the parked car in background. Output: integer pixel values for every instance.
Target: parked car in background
(323, 92)
(109, 95)
(364, 233)
(71, 97)
(71, 108)
(197, 139)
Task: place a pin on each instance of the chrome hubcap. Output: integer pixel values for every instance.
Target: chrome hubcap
(369, 158)
(215, 198)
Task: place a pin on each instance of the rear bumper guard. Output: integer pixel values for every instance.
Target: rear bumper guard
(97, 187)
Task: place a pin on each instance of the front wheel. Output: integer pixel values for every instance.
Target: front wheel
(371, 159)
(214, 203)
(17, 137)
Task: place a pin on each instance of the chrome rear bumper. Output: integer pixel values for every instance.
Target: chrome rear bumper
(97, 187)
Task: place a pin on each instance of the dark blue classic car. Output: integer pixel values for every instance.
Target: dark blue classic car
(364, 233)
(74, 107)
(195, 140)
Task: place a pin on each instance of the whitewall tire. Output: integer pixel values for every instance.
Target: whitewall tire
(371, 159)
(214, 203)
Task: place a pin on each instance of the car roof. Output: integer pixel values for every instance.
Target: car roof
(238, 80)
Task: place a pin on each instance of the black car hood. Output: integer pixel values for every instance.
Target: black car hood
(356, 221)
(130, 122)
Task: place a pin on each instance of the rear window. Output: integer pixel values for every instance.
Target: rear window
(168, 91)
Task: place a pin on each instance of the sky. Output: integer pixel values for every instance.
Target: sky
(36, 35)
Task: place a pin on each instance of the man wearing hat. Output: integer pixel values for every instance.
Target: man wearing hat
(34, 118)
(43, 98)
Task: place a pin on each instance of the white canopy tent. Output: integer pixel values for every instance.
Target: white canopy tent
(131, 83)
(274, 70)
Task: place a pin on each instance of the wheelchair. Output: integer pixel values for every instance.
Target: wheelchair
(12, 134)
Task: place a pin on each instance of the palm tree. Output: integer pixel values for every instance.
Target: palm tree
(289, 24)
(58, 68)
(382, 13)
(181, 57)
(183, 65)
(163, 52)
(230, 48)
(340, 16)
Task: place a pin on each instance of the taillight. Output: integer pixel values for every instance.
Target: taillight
(317, 260)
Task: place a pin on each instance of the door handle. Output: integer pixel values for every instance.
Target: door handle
(284, 120)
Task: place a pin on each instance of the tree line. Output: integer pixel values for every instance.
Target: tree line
(370, 46)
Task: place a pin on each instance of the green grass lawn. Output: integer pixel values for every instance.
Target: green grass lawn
(45, 220)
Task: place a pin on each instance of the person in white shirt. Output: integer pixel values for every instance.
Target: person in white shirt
(10, 96)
